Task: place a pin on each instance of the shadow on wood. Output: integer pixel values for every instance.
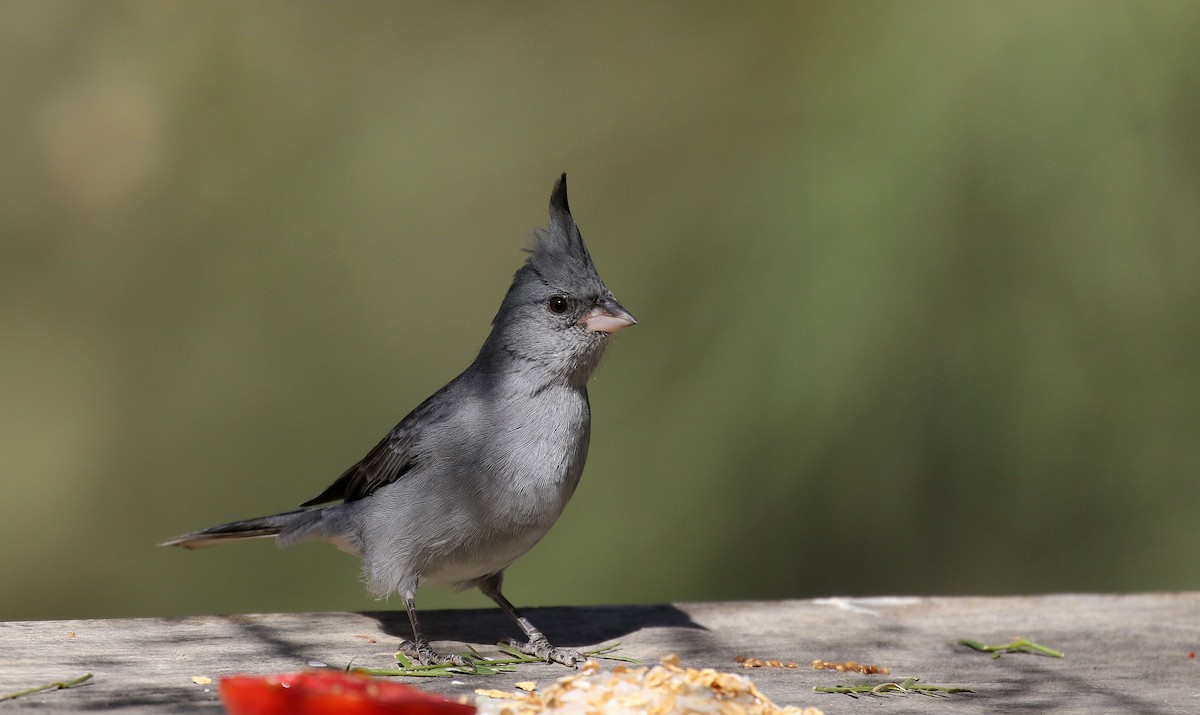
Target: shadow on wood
(569, 627)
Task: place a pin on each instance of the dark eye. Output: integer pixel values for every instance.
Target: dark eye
(558, 304)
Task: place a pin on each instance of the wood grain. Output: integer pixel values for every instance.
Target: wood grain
(1124, 654)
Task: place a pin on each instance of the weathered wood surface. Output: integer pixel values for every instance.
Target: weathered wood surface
(1124, 654)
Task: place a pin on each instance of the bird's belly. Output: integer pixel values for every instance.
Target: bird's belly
(439, 534)
(470, 561)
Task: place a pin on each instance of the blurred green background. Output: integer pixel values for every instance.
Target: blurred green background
(918, 283)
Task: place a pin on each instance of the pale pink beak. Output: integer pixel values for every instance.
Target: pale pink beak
(607, 316)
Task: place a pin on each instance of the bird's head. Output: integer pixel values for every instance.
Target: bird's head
(558, 313)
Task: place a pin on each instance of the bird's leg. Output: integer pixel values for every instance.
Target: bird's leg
(418, 648)
(537, 645)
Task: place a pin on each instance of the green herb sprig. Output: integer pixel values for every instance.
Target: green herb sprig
(57, 685)
(909, 685)
(479, 664)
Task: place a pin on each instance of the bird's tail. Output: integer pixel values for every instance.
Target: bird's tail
(327, 523)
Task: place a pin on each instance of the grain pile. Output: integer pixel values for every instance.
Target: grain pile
(667, 689)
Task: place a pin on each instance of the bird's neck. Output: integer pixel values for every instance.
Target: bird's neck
(507, 359)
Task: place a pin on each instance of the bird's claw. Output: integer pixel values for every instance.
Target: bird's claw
(541, 648)
(424, 654)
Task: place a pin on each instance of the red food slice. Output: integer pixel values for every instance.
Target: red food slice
(320, 692)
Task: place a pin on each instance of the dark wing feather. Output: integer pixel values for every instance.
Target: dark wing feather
(388, 461)
(384, 464)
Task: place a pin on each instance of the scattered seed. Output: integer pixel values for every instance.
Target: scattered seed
(850, 667)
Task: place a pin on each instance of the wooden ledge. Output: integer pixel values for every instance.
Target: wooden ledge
(1124, 654)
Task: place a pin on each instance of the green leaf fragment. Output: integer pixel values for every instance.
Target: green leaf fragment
(517, 656)
(1018, 645)
(606, 653)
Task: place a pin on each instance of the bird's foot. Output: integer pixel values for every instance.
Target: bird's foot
(424, 654)
(541, 648)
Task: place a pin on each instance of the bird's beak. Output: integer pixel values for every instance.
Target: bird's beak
(607, 316)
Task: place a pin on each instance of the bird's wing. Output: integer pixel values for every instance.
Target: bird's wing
(389, 460)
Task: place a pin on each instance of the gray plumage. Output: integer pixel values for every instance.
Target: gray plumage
(478, 473)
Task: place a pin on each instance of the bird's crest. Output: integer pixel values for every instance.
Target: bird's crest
(559, 255)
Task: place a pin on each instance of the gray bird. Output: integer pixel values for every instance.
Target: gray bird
(479, 472)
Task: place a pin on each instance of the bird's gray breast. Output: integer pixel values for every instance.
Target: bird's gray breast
(524, 453)
(491, 481)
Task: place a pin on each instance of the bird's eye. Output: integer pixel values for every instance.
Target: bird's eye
(558, 304)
